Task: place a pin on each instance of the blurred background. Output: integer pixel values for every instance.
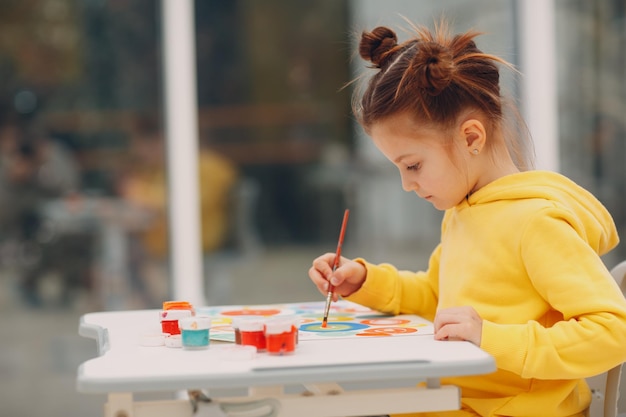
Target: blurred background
(86, 186)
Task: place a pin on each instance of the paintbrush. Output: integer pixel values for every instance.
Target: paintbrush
(331, 288)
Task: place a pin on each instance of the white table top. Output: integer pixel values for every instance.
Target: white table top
(126, 366)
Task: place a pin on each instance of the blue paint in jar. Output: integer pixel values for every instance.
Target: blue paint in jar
(194, 332)
(195, 338)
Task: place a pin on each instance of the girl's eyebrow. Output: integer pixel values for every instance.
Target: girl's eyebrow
(400, 158)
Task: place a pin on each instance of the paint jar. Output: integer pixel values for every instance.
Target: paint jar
(281, 335)
(194, 332)
(295, 321)
(235, 324)
(170, 319)
(253, 333)
(178, 305)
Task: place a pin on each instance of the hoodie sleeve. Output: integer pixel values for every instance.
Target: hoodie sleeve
(392, 291)
(585, 333)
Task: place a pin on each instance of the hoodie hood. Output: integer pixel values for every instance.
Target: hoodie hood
(588, 216)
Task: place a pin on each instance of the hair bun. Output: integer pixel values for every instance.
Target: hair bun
(376, 45)
(434, 67)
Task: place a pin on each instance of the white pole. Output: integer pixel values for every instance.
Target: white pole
(539, 82)
(181, 126)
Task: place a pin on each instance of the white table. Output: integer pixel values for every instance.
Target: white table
(357, 376)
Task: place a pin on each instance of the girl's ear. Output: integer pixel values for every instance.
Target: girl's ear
(474, 136)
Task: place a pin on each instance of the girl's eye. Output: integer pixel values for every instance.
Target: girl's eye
(413, 167)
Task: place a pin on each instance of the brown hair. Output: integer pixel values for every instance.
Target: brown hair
(435, 77)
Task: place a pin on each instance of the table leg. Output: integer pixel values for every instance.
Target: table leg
(433, 383)
(119, 405)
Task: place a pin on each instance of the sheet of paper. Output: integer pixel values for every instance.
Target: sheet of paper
(346, 319)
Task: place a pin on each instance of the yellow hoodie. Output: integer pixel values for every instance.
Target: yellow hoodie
(524, 252)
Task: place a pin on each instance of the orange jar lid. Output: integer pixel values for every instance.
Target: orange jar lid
(177, 305)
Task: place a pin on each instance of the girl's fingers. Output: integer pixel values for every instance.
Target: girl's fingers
(348, 277)
(321, 271)
(448, 316)
(458, 323)
(320, 282)
(324, 265)
(454, 331)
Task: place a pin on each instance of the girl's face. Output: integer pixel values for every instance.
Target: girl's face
(432, 165)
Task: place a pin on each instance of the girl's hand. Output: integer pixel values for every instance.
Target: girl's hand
(347, 278)
(459, 323)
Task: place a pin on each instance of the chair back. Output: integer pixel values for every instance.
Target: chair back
(605, 390)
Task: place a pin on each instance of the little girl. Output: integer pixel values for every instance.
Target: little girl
(518, 269)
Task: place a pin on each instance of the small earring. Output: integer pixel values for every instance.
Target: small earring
(475, 151)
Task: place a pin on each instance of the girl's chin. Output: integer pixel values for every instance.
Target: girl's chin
(440, 205)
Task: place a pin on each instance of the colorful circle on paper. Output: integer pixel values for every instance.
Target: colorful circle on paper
(332, 326)
(386, 331)
(385, 321)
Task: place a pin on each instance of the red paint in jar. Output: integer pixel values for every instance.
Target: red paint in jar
(282, 343)
(253, 334)
(169, 320)
(254, 338)
(281, 335)
(235, 325)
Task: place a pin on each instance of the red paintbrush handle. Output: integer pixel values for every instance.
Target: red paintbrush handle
(346, 214)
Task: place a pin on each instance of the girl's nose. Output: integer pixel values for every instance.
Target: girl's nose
(407, 184)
